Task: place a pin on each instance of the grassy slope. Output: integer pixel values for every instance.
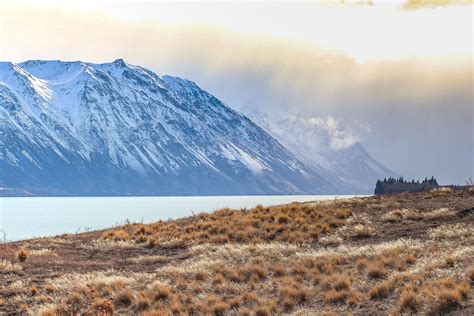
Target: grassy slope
(392, 254)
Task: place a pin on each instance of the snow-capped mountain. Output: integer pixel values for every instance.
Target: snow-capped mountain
(326, 147)
(76, 128)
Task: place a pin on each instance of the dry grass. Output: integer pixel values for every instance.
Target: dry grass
(381, 290)
(124, 298)
(409, 301)
(116, 235)
(451, 231)
(361, 256)
(443, 191)
(376, 271)
(22, 254)
(9, 267)
(43, 252)
(398, 215)
(470, 273)
(296, 223)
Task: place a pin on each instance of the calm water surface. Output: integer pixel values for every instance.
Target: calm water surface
(27, 217)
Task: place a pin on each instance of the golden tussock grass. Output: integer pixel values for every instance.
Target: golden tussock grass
(102, 307)
(409, 301)
(124, 298)
(22, 254)
(381, 290)
(116, 235)
(296, 223)
(376, 271)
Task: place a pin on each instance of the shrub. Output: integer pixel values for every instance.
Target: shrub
(49, 288)
(200, 275)
(219, 308)
(362, 263)
(103, 307)
(336, 296)
(362, 231)
(175, 306)
(442, 191)
(161, 292)
(280, 270)
(377, 272)
(381, 290)
(463, 289)
(263, 311)
(124, 298)
(341, 283)
(116, 235)
(449, 263)
(22, 254)
(235, 302)
(470, 273)
(294, 293)
(218, 279)
(342, 213)
(446, 301)
(142, 302)
(409, 301)
(283, 219)
(244, 311)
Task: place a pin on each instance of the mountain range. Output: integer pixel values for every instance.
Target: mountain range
(78, 128)
(326, 147)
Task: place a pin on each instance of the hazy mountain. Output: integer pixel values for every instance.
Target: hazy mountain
(326, 147)
(76, 128)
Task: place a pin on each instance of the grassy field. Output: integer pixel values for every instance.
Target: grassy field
(399, 254)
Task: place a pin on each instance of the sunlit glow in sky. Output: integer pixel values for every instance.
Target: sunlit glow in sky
(384, 30)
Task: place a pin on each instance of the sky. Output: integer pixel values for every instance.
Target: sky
(397, 75)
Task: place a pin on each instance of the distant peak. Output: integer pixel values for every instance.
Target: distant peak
(119, 62)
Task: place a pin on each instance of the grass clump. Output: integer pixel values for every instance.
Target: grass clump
(162, 292)
(409, 301)
(296, 223)
(124, 298)
(102, 306)
(377, 271)
(22, 254)
(381, 290)
(334, 296)
(446, 301)
(117, 235)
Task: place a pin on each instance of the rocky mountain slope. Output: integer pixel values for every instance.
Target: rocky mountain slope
(76, 128)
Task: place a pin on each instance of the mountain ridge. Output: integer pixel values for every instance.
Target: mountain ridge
(75, 128)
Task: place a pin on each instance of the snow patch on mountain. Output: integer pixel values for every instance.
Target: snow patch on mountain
(114, 128)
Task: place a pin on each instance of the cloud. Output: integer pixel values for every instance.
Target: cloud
(417, 4)
(340, 138)
(354, 3)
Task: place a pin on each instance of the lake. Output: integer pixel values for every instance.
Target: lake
(28, 217)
